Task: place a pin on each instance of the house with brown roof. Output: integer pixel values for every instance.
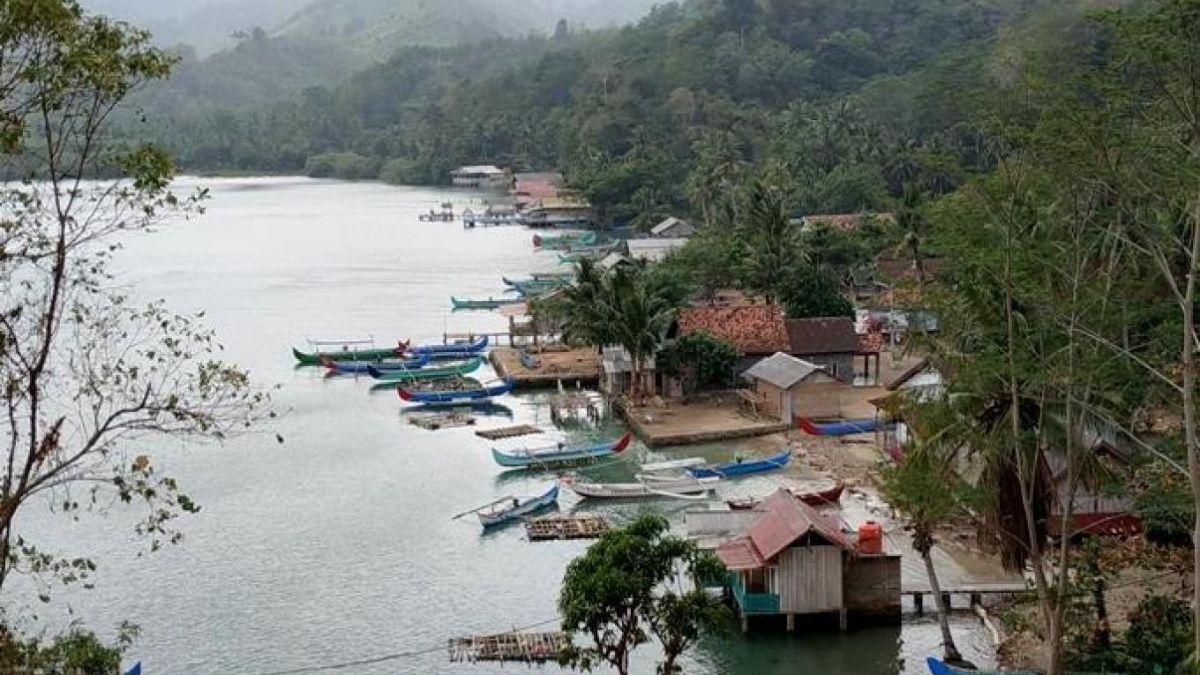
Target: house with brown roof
(793, 560)
(828, 342)
(758, 331)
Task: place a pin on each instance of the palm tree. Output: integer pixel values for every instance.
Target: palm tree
(911, 222)
(773, 245)
(640, 316)
(583, 306)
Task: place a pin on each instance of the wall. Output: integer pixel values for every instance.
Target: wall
(872, 588)
(840, 366)
(818, 398)
(810, 579)
(772, 398)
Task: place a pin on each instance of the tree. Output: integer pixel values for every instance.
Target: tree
(699, 360)
(910, 220)
(76, 652)
(85, 370)
(640, 319)
(622, 585)
(772, 244)
(813, 292)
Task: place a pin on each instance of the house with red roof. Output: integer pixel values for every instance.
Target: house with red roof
(758, 331)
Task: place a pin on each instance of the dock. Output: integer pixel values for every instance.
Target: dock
(974, 592)
(569, 526)
(695, 423)
(522, 647)
(508, 432)
(569, 366)
(437, 421)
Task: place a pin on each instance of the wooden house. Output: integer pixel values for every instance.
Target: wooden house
(788, 387)
(481, 176)
(616, 373)
(673, 228)
(827, 342)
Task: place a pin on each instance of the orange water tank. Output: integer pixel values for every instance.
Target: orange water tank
(870, 538)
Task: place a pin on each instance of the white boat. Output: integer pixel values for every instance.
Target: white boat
(662, 486)
(674, 465)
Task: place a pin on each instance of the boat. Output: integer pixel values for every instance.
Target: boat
(362, 367)
(347, 354)
(743, 467)
(577, 254)
(489, 303)
(564, 240)
(821, 498)
(566, 277)
(511, 508)
(938, 667)
(558, 455)
(660, 487)
(477, 345)
(464, 396)
(846, 428)
(423, 374)
(527, 288)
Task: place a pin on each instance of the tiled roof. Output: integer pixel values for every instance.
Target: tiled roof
(753, 329)
(828, 335)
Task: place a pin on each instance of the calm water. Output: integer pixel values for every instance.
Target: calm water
(337, 545)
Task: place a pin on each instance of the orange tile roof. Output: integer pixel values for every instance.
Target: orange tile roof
(753, 329)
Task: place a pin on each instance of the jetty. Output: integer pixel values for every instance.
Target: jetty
(973, 592)
(696, 422)
(566, 526)
(508, 432)
(522, 647)
(568, 366)
(448, 420)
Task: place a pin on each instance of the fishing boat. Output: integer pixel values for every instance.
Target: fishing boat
(464, 396)
(488, 303)
(558, 455)
(743, 467)
(565, 277)
(846, 428)
(821, 498)
(577, 254)
(528, 288)
(349, 352)
(938, 667)
(424, 374)
(477, 345)
(363, 367)
(564, 240)
(679, 486)
(511, 508)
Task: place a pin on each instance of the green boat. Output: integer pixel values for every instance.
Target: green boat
(490, 303)
(426, 374)
(565, 240)
(566, 277)
(580, 253)
(314, 358)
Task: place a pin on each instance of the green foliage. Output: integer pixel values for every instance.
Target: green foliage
(76, 652)
(1164, 501)
(772, 244)
(343, 165)
(1159, 637)
(813, 292)
(700, 360)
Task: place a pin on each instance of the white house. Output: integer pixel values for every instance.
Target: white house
(673, 228)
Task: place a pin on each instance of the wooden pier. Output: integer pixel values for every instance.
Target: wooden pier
(522, 647)
(508, 432)
(437, 421)
(974, 592)
(574, 526)
(571, 367)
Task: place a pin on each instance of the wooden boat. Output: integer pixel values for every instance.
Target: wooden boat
(847, 428)
(937, 667)
(563, 240)
(661, 487)
(511, 508)
(743, 467)
(425, 374)
(489, 303)
(821, 498)
(558, 456)
(465, 396)
(565, 277)
(577, 254)
(528, 288)
(363, 367)
(479, 344)
(314, 358)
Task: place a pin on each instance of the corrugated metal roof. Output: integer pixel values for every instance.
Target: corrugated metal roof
(822, 335)
(786, 519)
(673, 223)
(739, 555)
(653, 250)
(782, 370)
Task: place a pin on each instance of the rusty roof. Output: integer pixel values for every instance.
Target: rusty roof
(753, 329)
(784, 520)
(740, 554)
(824, 335)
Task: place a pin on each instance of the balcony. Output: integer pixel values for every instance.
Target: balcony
(753, 603)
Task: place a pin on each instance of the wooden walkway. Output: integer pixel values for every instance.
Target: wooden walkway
(508, 432)
(974, 592)
(576, 526)
(524, 647)
(442, 421)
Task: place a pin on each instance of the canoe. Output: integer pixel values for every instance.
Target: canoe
(425, 374)
(478, 345)
(846, 428)
(363, 367)
(937, 667)
(527, 288)
(516, 507)
(489, 303)
(641, 490)
(821, 498)
(580, 239)
(314, 358)
(559, 456)
(743, 467)
(566, 277)
(575, 255)
(465, 396)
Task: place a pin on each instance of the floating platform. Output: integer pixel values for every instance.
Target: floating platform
(437, 421)
(508, 432)
(568, 367)
(575, 526)
(696, 423)
(523, 647)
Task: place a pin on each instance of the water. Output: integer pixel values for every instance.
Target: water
(337, 545)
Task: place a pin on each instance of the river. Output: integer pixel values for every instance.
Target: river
(337, 545)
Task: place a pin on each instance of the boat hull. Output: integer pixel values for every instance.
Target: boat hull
(847, 428)
(473, 348)
(364, 367)
(494, 518)
(426, 374)
(743, 468)
(314, 358)
(682, 486)
(465, 396)
(561, 458)
(822, 498)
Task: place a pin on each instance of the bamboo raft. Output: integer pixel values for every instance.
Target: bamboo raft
(508, 432)
(576, 526)
(524, 647)
(442, 421)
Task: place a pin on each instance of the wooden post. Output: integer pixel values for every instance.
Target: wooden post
(919, 603)
(843, 620)
(791, 623)
(976, 599)
(946, 600)
(745, 623)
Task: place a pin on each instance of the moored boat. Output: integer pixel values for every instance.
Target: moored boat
(463, 396)
(846, 428)
(511, 508)
(560, 455)
(743, 467)
(488, 303)
(661, 487)
(938, 667)
(564, 240)
(422, 374)
(363, 367)
(347, 354)
(820, 498)
(477, 345)
(577, 254)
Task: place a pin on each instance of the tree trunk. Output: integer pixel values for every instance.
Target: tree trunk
(950, 651)
(1188, 358)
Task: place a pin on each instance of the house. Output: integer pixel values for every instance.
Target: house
(673, 228)
(921, 382)
(612, 261)
(792, 560)
(480, 176)
(529, 188)
(1094, 509)
(828, 342)
(789, 388)
(653, 250)
(757, 331)
(616, 373)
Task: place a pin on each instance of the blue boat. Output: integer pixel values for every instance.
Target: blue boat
(463, 396)
(558, 455)
(847, 428)
(364, 367)
(938, 667)
(511, 508)
(473, 348)
(743, 467)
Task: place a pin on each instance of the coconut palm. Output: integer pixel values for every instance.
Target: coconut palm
(641, 315)
(772, 244)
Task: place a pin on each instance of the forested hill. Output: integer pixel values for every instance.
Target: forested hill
(849, 98)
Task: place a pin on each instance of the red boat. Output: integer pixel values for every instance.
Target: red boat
(822, 498)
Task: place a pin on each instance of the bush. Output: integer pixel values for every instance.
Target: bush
(811, 292)
(343, 165)
(699, 360)
(1160, 634)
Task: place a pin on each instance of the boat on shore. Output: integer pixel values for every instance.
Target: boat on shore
(486, 303)
(820, 498)
(509, 509)
(347, 354)
(477, 345)
(743, 467)
(938, 667)
(424, 374)
(363, 367)
(556, 456)
(846, 428)
(676, 486)
(461, 396)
